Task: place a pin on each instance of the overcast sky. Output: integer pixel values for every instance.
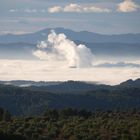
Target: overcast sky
(102, 16)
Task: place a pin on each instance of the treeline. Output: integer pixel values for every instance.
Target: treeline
(29, 101)
(73, 124)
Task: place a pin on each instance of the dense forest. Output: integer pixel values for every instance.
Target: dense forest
(34, 100)
(72, 124)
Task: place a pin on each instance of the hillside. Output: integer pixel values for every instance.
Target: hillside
(131, 83)
(33, 100)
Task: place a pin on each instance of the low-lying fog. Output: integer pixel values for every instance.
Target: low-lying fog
(102, 72)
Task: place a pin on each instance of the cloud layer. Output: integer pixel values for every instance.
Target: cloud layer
(118, 65)
(51, 71)
(28, 10)
(128, 6)
(125, 6)
(73, 7)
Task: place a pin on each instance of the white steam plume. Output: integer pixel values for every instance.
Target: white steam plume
(58, 48)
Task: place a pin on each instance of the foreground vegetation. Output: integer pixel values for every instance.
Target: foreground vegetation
(72, 124)
(83, 121)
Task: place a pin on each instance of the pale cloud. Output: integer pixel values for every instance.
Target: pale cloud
(59, 48)
(55, 9)
(13, 10)
(73, 7)
(127, 6)
(28, 10)
(14, 32)
(119, 65)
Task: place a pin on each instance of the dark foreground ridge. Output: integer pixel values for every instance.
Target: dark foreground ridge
(34, 99)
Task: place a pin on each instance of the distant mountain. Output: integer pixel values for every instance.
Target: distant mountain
(59, 87)
(114, 49)
(17, 50)
(131, 83)
(84, 36)
(73, 87)
(23, 83)
(22, 46)
(24, 50)
(70, 86)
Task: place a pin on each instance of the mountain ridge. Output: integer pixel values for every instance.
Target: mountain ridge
(86, 36)
(22, 46)
(21, 83)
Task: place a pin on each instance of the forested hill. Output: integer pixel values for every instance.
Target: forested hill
(72, 124)
(34, 100)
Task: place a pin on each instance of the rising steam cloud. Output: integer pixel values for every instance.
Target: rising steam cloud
(58, 48)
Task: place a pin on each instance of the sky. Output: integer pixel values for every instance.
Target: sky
(101, 16)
